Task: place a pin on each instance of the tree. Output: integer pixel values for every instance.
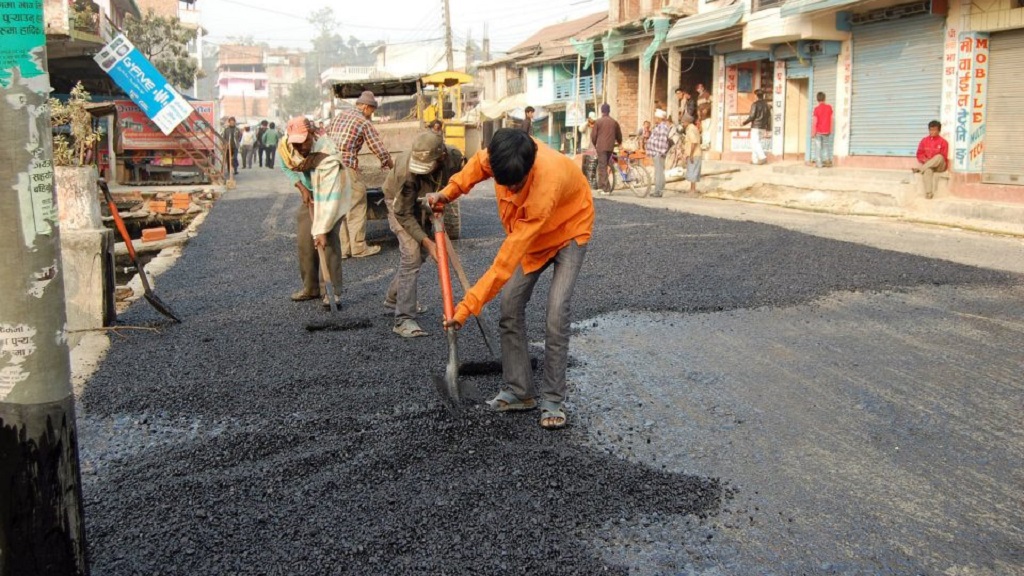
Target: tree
(330, 49)
(302, 98)
(164, 42)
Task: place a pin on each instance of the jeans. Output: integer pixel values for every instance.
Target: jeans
(269, 154)
(659, 174)
(309, 259)
(822, 151)
(402, 290)
(603, 162)
(353, 228)
(756, 149)
(515, 357)
(231, 161)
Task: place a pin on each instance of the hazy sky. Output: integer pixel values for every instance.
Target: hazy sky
(285, 23)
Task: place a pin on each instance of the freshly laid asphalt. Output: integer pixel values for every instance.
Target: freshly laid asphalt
(240, 443)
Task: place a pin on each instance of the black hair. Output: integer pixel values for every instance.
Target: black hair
(529, 109)
(272, 125)
(821, 96)
(511, 153)
(436, 122)
(935, 124)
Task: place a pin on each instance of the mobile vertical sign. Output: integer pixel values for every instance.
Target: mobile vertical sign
(146, 86)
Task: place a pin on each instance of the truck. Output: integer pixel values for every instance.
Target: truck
(436, 96)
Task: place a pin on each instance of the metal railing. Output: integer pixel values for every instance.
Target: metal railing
(566, 90)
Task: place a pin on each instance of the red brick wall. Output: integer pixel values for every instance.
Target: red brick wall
(624, 109)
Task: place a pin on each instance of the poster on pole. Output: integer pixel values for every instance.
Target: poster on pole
(25, 88)
(143, 83)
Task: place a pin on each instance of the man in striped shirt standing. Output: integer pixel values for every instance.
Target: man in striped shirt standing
(349, 130)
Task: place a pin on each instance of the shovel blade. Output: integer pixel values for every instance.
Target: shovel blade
(160, 307)
(448, 386)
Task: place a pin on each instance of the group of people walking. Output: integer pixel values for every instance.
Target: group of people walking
(544, 203)
(249, 145)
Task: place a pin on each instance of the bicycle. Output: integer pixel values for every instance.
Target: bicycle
(629, 171)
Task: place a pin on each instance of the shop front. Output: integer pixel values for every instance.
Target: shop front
(145, 155)
(744, 72)
(1004, 126)
(809, 68)
(897, 67)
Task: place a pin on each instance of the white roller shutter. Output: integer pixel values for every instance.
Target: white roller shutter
(897, 84)
(1004, 125)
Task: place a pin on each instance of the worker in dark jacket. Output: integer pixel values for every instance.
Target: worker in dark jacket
(760, 120)
(605, 136)
(423, 170)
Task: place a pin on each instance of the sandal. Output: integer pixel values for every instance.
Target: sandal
(506, 401)
(552, 411)
(409, 329)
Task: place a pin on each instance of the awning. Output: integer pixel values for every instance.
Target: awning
(706, 23)
(795, 7)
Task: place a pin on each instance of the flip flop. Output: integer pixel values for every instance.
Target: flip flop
(550, 410)
(506, 401)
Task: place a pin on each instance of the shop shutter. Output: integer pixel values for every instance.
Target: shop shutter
(824, 79)
(796, 70)
(897, 84)
(1004, 126)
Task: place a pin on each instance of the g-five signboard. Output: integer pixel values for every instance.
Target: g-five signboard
(143, 83)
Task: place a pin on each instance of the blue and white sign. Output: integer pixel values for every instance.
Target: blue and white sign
(146, 86)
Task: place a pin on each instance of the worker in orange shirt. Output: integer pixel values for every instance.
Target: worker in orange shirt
(547, 209)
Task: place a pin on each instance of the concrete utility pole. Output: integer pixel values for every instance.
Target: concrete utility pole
(486, 45)
(448, 36)
(42, 527)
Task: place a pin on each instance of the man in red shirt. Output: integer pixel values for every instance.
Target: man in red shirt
(933, 154)
(821, 133)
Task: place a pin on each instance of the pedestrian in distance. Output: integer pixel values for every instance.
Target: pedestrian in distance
(261, 150)
(657, 149)
(349, 130)
(933, 154)
(821, 133)
(585, 130)
(692, 153)
(528, 115)
(605, 135)
(425, 169)
(312, 165)
(760, 120)
(547, 210)
(246, 145)
(643, 135)
(703, 98)
(685, 102)
(232, 137)
(270, 140)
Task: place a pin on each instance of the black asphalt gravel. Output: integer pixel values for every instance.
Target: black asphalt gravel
(239, 442)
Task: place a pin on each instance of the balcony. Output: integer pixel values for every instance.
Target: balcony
(78, 20)
(583, 88)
